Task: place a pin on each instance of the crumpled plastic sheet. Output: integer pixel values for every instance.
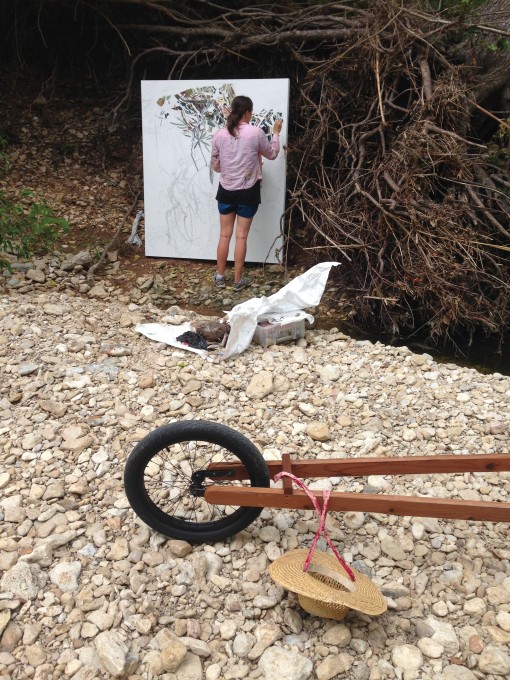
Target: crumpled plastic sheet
(302, 292)
(168, 334)
(133, 236)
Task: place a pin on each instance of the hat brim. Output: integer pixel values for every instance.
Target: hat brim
(288, 572)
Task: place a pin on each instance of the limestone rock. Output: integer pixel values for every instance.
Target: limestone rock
(65, 576)
(260, 385)
(407, 657)
(23, 580)
(318, 431)
(281, 664)
(113, 652)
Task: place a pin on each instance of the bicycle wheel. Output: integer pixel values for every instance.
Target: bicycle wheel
(166, 475)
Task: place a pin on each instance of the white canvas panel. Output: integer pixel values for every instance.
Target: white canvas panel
(179, 118)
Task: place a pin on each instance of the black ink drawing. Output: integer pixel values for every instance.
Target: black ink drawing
(199, 111)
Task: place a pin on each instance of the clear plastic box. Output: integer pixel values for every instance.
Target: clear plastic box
(273, 333)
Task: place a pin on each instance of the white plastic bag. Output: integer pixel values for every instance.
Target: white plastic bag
(304, 291)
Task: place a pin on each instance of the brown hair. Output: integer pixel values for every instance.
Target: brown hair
(240, 105)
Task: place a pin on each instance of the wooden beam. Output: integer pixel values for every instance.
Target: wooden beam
(362, 467)
(390, 505)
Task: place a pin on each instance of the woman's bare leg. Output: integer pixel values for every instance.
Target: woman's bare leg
(226, 231)
(242, 228)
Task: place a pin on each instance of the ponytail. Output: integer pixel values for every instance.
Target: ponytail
(240, 105)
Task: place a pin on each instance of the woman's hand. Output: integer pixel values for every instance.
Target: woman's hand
(277, 127)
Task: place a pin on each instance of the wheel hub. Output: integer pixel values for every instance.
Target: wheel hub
(197, 488)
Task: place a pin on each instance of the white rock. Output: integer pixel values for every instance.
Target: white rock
(269, 533)
(378, 482)
(307, 409)
(260, 385)
(293, 620)
(190, 668)
(281, 664)
(23, 580)
(407, 657)
(455, 672)
(444, 634)
(430, 648)
(243, 644)
(494, 660)
(440, 608)
(329, 372)
(334, 665)
(213, 672)
(503, 620)
(475, 607)
(338, 635)
(65, 576)
(354, 520)
(266, 634)
(112, 650)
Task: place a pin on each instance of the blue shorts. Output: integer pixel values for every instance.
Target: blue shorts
(242, 209)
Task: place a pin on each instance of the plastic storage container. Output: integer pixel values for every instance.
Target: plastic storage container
(273, 333)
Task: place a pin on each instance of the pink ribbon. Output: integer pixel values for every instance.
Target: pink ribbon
(322, 522)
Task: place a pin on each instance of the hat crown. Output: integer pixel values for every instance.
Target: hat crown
(331, 577)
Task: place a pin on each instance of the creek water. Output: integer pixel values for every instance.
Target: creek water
(486, 355)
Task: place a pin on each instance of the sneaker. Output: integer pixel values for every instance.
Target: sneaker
(219, 280)
(243, 283)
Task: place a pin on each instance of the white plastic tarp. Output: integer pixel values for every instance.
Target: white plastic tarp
(169, 334)
(302, 292)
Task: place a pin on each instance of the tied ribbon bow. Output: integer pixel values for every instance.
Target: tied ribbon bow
(321, 529)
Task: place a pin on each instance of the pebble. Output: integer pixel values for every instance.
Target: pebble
(88, 592)
(318, 431)
(430, 649)
(338, 635)
(495, 660)
(503, 620)
(334, 665)
(456, 672)
(65, 576)
(407, 657)
(281, 664)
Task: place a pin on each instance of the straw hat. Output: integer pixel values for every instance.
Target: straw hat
(325, 589)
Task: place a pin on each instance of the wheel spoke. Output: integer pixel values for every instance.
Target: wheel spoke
(171, 465)
(173, 495)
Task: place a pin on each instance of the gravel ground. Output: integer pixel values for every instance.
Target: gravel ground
(88, 591)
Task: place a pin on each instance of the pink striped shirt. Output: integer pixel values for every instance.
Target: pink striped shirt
(239, 159)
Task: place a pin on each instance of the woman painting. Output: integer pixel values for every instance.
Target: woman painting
(237, 152)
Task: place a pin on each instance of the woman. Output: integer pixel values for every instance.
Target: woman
(237, 152)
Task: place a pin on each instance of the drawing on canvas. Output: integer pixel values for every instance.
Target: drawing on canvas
(179, 119)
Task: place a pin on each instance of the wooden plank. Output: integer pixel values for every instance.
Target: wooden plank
(362, 467)
(386, 504)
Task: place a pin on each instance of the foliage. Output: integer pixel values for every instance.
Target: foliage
(27, 227)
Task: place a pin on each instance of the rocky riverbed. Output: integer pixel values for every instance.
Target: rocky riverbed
(89, 592)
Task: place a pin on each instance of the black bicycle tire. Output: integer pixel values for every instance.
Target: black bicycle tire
(191, 430)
